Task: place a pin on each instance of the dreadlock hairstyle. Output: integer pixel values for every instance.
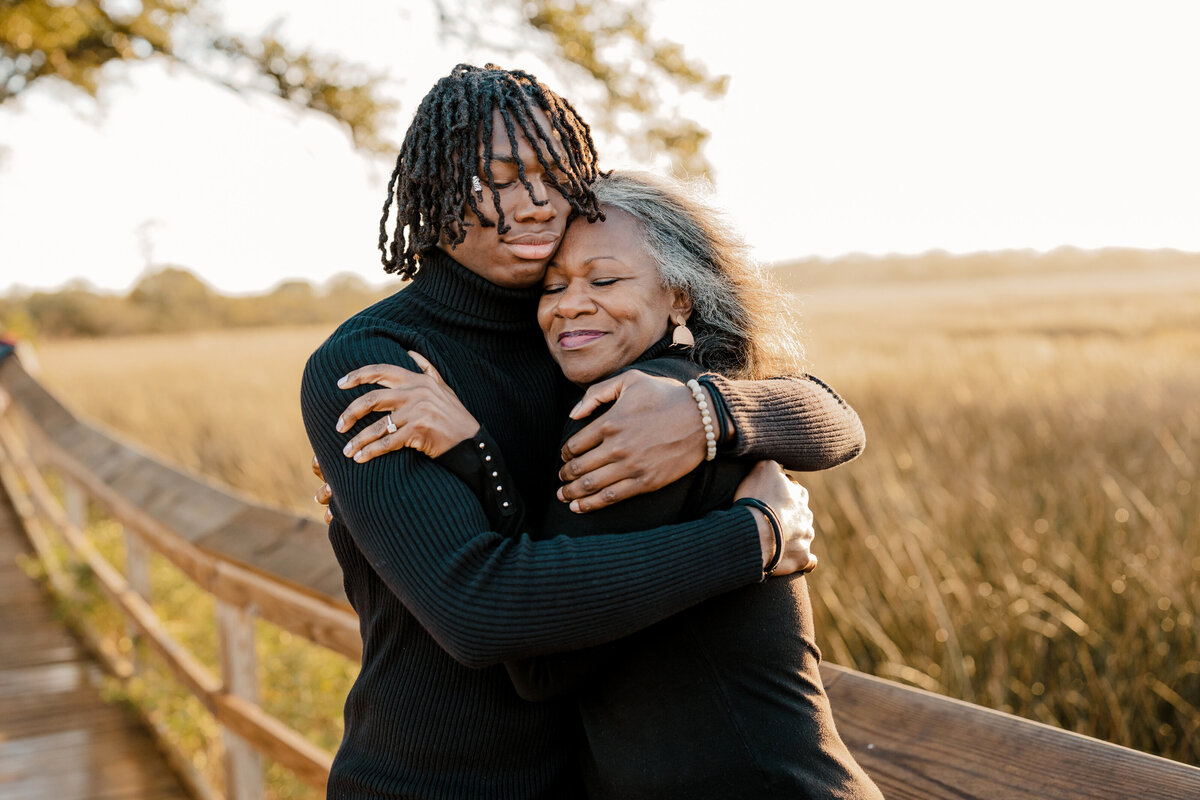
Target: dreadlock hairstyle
(431, 184)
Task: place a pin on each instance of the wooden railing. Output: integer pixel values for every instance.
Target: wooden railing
(255, 562)
(261, 563)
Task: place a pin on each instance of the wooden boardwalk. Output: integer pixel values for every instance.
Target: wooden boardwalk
(58, 739)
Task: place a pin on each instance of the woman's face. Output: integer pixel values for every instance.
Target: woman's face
(603, 302)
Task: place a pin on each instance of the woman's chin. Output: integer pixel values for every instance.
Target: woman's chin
(582, 374)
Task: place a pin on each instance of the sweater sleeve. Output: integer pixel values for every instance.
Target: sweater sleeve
(479, 464)
(800, 422)
(485, 597)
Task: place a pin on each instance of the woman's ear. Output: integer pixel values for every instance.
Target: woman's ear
(681, 305)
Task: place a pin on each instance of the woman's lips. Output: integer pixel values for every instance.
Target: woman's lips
(570, 340)
(533, 247)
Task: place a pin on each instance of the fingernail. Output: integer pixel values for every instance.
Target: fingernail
(342, 380)
(346, 450)
(359, 456)
(575, 410)
(316, 498)
(341, 426)
(559, 495)
(574, 506)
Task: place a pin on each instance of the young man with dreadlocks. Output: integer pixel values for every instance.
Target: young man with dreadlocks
(443, 599)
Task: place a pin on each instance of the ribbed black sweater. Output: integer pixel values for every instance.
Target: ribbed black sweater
(443, 599)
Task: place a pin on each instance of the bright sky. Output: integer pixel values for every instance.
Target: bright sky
(855, 126)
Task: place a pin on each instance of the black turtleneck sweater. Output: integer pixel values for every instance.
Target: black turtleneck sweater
(443, 598)
(721, 701)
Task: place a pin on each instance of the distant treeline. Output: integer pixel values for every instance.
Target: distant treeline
(173, 300)
(940, 265)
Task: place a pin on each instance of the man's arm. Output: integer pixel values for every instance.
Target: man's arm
(799, 422)
(488, 598)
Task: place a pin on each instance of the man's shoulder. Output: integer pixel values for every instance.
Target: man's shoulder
(381, 333)
(395, 319)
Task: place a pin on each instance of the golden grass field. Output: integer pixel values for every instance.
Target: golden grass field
(1023, 531)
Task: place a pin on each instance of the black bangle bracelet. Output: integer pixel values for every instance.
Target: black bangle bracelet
(769, 513)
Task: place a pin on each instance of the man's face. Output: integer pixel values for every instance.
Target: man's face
(517, 258)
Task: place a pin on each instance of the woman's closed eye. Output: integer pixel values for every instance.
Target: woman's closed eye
(557, 288)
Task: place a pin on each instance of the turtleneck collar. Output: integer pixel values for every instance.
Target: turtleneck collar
(451, 286)
(660, 349)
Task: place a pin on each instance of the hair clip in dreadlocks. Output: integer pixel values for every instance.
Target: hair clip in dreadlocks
(477, 186)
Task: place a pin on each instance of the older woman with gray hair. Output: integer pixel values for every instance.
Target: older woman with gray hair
(725, 699)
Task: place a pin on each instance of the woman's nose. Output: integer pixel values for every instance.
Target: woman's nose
(573, 301)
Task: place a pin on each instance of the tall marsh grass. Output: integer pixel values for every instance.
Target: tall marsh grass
(1022, 532)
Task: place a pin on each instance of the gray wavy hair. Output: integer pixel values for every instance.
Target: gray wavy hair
(743, 326)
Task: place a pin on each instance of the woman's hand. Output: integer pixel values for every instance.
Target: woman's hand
(651, 436)
(426, 413)
(789, 500)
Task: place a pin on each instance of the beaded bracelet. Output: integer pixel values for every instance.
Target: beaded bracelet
(710, 438)
(769, 513)
(719, 413)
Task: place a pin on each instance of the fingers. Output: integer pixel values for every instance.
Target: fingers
(323, 496)
(580, 465)
(388, 375)
(316, 468)
(405, 436)
(377, 400)
(595, 481)
(412, 435)
(423, 364)
(597, 395)
(582, 442)
(621, 490)
(373, 432)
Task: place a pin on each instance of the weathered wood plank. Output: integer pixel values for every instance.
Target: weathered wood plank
(58, 739)
(241, 717)
(146, 492)
(921, 746)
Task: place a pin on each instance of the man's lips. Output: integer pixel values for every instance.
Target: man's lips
(569, 340)
(533, 246)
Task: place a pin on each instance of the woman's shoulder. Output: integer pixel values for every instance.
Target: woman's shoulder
(668, 365)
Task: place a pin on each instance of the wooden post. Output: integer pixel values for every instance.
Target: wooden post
(239, 670)
(77, 505)
(137, 573)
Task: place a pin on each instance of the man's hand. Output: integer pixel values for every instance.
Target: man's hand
(789, 500)
(324, 494)
(651, 437)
